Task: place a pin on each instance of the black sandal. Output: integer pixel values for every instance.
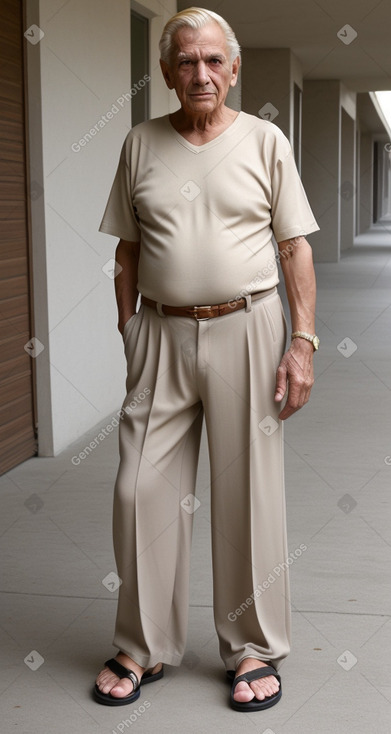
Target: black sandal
(108, 700)
(255, 704)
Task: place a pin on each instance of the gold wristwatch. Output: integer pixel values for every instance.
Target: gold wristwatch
(310, 337)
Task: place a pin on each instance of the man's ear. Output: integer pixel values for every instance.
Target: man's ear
(235, 71)
(166, 71)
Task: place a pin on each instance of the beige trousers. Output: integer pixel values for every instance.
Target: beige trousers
(179, 371)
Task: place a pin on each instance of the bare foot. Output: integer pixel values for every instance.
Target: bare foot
(108, 682)
(259, 689)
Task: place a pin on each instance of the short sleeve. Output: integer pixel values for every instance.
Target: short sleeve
(291, 213)
(119, 218)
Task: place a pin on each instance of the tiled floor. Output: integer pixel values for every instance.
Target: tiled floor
(57, 616)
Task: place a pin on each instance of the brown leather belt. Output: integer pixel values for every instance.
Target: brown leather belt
(203, 313)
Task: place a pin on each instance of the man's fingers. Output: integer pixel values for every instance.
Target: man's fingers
(290, 408)
(298, 395)
(286, 413)
(281, 384)
(295, 377)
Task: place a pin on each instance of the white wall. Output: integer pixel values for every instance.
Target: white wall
(76, 73)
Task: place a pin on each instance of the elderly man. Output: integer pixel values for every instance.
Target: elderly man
(196, 199)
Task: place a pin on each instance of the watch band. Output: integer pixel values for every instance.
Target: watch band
(309, 337)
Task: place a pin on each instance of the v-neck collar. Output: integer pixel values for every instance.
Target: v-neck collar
(205, 146)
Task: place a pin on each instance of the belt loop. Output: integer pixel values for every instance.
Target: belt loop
(159, 309)
(248, 303)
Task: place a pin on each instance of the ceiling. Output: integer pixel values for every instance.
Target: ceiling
(310, 27)
(369, 118)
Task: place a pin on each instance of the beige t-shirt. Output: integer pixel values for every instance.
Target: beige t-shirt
(205, 214)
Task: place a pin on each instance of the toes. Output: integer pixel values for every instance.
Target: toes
(102, 680)
(122, 690)
(117, 688)
(105, 684)
(260, 692)
(265, 687)
(243, 693)
(108, 682)
(106, 678)
(105, 687)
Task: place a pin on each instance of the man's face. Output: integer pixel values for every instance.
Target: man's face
(200, 70)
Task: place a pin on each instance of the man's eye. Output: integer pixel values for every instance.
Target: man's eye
(215, 61)
(185, 62)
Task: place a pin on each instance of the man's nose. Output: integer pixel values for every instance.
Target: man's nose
(201, 76)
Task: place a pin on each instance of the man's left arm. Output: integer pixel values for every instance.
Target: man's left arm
(295, 372)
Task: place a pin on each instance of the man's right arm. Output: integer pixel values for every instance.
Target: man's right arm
(127, 256)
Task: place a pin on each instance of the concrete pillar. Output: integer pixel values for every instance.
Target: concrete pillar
(365, 179)
(268, 78)
(347, 189)
(321, 164)
(387, 165)
(381, 168)
(385, 192)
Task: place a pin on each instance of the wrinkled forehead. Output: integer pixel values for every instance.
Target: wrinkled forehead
(208, 40)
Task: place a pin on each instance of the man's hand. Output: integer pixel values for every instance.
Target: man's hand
(127, 256)
(295, 374)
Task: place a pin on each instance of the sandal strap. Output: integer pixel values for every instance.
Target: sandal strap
(256, 674)
(123, 672)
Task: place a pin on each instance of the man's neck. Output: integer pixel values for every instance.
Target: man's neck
(202, 129)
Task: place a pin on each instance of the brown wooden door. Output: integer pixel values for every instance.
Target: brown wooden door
(17, 434)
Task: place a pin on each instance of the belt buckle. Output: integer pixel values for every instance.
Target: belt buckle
(200, 308)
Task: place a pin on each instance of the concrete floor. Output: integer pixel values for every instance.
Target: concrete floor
(57, 616)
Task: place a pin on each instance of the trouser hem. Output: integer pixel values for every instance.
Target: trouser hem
(149, 661)
(275, 663)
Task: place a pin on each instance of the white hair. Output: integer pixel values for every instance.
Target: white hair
(196, 18)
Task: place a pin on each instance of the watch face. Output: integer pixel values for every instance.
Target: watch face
(316, 342)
